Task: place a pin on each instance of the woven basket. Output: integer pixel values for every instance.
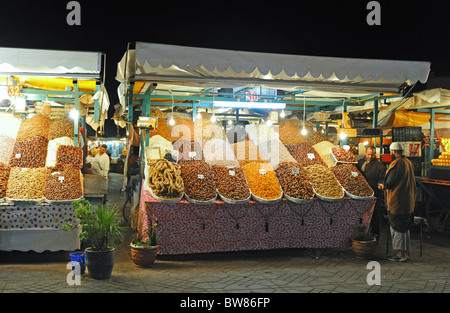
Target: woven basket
(364, 249)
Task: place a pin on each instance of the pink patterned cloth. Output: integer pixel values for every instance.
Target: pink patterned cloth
(185, 228)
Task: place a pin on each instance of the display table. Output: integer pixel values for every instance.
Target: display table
(26, 226)
(185, 228)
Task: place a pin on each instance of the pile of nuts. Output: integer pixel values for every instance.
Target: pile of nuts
(4, 176)
(231, 182)
(343, 155)
(165, 180)
(262, 180)
(198, 179)
(63, 183)
(26, 183)
(30, 153)
(53, 148)
(324, 182)
(6, 148)
(290, 133)
(352, 180)
(38, 125)
(61, 127)
(294, 180)
(305, 154)
(69, 155)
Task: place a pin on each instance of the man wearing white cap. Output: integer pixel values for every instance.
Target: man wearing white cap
(400, 186)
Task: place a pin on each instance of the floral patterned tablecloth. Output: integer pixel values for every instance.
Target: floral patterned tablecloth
(185, 228)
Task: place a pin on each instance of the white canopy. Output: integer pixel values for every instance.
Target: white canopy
(207, 68)
(52, 63)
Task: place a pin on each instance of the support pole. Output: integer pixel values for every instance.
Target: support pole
(77, 107)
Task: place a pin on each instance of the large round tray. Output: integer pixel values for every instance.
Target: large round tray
(335, 160)
(329, 199)
(176, 200)
(193, 201)
(267, 201)
(230, 201)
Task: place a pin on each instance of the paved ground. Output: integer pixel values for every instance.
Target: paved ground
(276, 271)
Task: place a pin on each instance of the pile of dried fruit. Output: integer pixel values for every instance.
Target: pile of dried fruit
(69, 155)
(290, 133)
(38, 125)
(61, 127)
(305, 154)
(4, 176)
(343, 155)
(30, 153)
(262, 180)
(246, 151)
(231, 182)
(324, 182)
(352, 180)
(198, 180)
(63, 183)
(294, 180)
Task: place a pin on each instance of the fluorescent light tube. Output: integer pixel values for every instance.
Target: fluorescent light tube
(250, 105)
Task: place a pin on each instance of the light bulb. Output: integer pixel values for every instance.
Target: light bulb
(342, 135)
(213, 119)
(304, 132)
(269, 123)
(171, 122)
(74, 114)
(199, 116)
(230, 122)
(282, 114)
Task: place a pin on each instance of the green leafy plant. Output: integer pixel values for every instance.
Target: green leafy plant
(363, 234)
(100, 227)
(151, 235)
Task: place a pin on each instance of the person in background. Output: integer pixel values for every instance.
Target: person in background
(401, 189)
(102, 162)
(374, 171)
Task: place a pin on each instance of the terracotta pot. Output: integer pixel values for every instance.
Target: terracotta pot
(144, 256)
(364, 249)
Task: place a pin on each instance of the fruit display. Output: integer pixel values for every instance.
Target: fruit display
(262, 180)
(231, 182)
(443, 160)
(294, 180)
(446, 143)
(165, 180)
(198, 179)
(352, 180)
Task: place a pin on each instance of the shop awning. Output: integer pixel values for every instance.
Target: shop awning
(50, 63)
(208, 68)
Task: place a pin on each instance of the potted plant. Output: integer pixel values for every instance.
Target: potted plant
(145, 244)
(364, 243)
(99, 229)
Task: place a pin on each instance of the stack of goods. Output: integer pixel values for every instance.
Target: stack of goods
(352, 180)
(315, 136)
(6, 148)
(53, 148)
(305, 154)
(61, 127)
(294, 180)
(162, 130)
(183, 129)
(26, 183)
(219, 152)
(198, 180)
(38, 125)
(165, 180)
(188, 150)
(30, 153)
(246, 151)
(324, 182)
(205, 130)
(4, 176)
(290, 133)
(262, 181)
(343, 155)
(260, 133)
(443, 160)
(323, 149)
(69, 155)
(275, 152)
(63, 183)
(231, 182)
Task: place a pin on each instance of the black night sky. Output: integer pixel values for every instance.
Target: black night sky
(408, 31)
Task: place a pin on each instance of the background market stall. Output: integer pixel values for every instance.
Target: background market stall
(47, 99)
(235, 87)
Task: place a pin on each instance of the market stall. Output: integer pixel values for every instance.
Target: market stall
(46, 97)
(279, 144)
